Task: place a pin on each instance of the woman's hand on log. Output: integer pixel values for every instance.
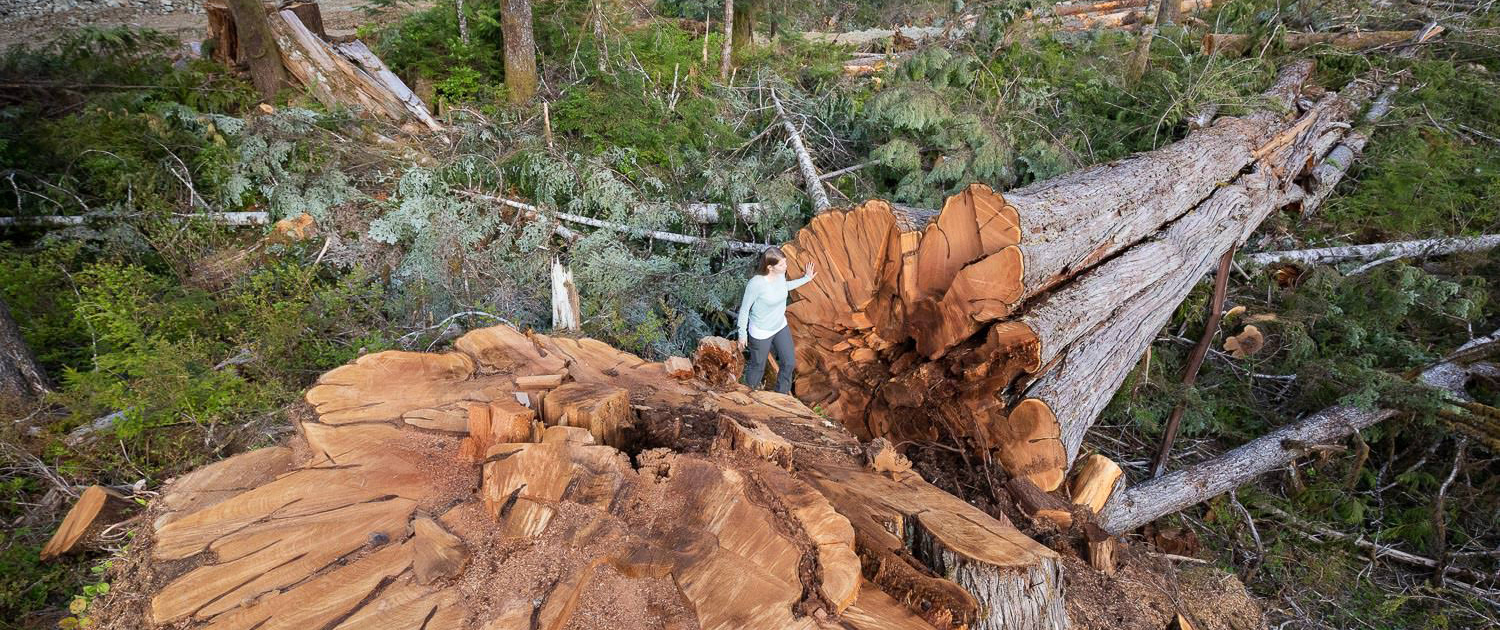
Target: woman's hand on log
(811, 271)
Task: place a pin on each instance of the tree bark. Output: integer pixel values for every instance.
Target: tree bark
(253, 33)
(1336, 163)
(345, 74)
(1238, 44)
(21, 379)
(1005, 323)
(1138, 505)
(463, 20)
(520, 50)
(729, 30)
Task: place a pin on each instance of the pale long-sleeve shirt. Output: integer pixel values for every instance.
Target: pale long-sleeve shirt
(763, 307)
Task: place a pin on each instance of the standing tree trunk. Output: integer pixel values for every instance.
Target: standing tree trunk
(463, 21)
(253, 31)
(744, 27)
(20, 377)
(520, 50)
(729, 34)
(1141, 58)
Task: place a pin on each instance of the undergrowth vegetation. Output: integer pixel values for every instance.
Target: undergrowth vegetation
(195, 340)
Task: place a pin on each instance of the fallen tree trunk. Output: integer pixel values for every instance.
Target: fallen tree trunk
(1158, 497)
(710, 507)
(221, 218)
(1239, 44)
(810, 180)
(1400, 249)
(1006, 322)
(536, 213)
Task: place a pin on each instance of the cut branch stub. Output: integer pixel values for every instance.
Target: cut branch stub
(374, 517)
(96, 508)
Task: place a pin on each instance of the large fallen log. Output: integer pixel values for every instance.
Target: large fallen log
(1007, 321)
(707, 507)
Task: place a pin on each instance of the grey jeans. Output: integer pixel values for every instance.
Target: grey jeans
(786, 360)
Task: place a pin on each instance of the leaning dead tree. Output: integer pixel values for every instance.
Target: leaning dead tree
(610, 488)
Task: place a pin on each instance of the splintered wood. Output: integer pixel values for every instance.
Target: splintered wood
(777, 521)
(1006, 322)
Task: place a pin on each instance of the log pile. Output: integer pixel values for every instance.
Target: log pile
(1006, 322)
(624, 495)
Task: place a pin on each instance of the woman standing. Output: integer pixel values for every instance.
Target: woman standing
(762, 320)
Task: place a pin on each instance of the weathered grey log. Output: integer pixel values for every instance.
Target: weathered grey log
(1402, 249)
(336, 80)
(1138, 505)
(536, 213)
(221, 218)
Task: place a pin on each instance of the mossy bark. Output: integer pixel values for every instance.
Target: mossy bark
(520, 50)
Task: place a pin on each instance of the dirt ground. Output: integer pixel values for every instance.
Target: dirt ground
(340, 17)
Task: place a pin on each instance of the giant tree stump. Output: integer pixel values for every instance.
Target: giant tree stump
(709, 507)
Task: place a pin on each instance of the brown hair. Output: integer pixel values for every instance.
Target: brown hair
(767, 260)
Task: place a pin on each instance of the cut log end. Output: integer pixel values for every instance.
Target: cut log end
(1029, 444)
(97, 507)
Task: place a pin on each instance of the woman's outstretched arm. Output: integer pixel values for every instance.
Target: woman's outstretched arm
(812, 272)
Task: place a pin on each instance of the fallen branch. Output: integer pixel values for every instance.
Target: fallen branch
(534, 212)
(1238, 43)
(1195, 361)
(1326, 175)
(810, 179)
(1384, 551)
(1402, 249)
(222, 218)
(1138, 505)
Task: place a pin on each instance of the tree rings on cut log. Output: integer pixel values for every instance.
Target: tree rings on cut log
(375, 521)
